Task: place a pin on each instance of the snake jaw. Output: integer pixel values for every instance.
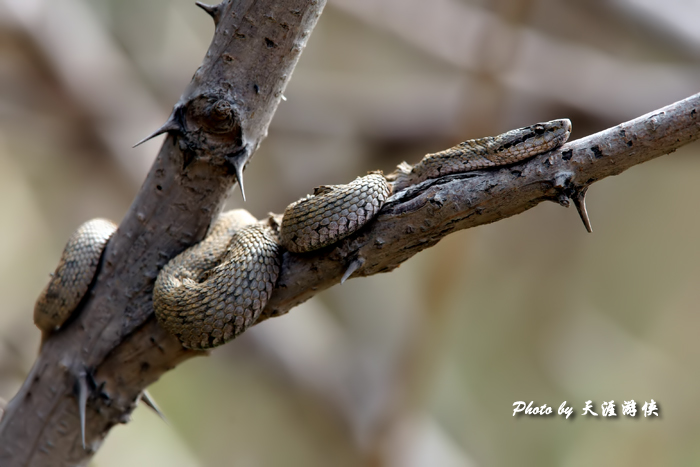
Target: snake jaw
(563, 133)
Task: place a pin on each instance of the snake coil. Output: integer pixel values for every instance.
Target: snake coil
(213, 291)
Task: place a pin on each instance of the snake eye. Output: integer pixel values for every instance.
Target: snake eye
(539, 129)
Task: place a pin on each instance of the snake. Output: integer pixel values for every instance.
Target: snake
(213, 291)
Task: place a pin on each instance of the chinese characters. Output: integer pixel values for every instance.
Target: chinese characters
(607, 409)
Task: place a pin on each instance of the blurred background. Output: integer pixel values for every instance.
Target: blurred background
(419, 367)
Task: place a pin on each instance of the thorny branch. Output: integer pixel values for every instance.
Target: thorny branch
(419, 216)
(115, 341)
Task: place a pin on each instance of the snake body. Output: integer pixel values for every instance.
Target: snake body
(73, 275)
(214, 290)
(332, 213)
(493, 151)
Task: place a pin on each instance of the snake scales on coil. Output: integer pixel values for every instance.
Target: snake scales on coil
(216, 289)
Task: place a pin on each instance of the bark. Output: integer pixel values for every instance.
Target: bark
(216, 126)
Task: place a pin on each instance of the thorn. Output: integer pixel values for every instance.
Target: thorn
(148, 400)
(238, 164)
(352, 268)
(237, 161)
(579, 200)
(82, 402)
(170, 125)
(212, 10)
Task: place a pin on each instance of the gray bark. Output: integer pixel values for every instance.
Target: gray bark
(218, 123)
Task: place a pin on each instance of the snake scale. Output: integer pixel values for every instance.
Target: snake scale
(214, 290)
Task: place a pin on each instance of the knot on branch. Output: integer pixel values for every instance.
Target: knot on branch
(208, 128)
(216, 118)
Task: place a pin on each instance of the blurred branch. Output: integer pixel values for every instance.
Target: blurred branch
(87, 61)
(473, 39)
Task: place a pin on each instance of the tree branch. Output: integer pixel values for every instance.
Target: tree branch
(419, 216)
